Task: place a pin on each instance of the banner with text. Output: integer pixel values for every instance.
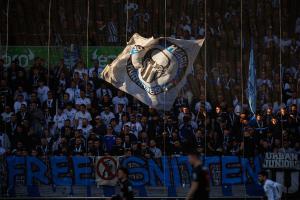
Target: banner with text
(171, 172)
(26, 54)
(282, 161)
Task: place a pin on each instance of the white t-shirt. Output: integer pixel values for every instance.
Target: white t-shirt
(6, 117)
(81, 72)
(201, 31)
(70, 114)
(207, 106)
(136, 128)
(80, 116)
(106, 117)
(24, 94)
(73, 93)
(273, 190)
(85, 130)
(269, 39)
(17, 105)
(292, 101)
(119, 100)
(42, 93)
(91, 70)
(156, 151)
(261, 82)
(285, 43)
(86, 101)
(59, 120)
(102, 92)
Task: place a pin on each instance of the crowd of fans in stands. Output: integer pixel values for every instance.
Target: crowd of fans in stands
(63, 111)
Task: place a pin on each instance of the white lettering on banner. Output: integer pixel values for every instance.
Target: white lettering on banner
(23, 58)
(281, 160)
(103, 59)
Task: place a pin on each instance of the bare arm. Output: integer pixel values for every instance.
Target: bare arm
(191, 192)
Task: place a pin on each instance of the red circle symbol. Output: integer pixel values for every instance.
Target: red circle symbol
(109, 166)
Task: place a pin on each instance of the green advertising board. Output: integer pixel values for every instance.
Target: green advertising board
(26, 54)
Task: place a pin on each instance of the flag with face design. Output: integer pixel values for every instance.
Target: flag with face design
(153, 69)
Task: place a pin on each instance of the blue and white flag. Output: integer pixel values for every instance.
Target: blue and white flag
(252, 83)
(153, 69)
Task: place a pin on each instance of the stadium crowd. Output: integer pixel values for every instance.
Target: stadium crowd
(71, 111)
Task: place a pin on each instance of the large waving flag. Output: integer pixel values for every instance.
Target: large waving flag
(153, 69)
(252, 83)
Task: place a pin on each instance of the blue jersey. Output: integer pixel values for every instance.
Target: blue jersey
(109, 141)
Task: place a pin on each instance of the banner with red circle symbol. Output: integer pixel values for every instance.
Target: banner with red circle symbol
(106, 170)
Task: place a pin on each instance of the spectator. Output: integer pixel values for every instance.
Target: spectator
(154, 149)
(109, 140)
(107, 115)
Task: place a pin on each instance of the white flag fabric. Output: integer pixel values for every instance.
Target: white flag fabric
(153, 69)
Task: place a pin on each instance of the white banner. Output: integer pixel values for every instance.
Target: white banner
(153, 70)
(106, 170)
